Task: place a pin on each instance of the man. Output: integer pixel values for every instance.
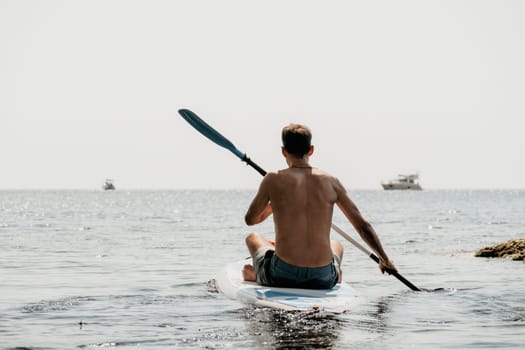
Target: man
(301, 199)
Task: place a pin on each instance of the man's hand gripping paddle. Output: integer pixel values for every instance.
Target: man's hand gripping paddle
(220, 140)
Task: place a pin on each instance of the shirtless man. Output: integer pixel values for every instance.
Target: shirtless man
(302, 199)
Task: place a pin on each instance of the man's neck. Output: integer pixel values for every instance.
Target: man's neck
(299, 163)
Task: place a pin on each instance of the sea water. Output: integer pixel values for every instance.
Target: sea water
(128, 269)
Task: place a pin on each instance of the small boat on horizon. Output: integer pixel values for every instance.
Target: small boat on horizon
(403, 182)
(108, 185)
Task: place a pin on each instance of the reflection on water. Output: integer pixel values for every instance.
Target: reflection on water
(292, 330)
(278, 329)
(377, 320)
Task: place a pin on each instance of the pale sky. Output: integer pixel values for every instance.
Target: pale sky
(90, 90)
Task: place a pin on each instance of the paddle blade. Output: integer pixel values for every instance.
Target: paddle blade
(212, 134)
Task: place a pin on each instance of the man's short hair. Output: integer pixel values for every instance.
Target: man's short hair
(296, 139)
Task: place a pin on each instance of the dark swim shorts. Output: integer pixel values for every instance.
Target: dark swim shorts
(272, 271)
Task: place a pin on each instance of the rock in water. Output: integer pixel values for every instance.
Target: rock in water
(513, 249)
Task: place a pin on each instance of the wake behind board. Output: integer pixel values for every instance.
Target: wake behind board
(230, 282)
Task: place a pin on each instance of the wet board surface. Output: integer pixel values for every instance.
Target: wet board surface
(230, 282)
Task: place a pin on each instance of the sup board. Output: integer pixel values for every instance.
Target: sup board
(230, 282)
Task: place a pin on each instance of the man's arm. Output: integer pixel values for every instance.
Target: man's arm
(260, 208)
(363, 227)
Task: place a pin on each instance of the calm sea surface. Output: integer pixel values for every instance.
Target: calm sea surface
(88, 270)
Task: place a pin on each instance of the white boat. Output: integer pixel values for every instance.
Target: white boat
(403, 182)
(108, 185)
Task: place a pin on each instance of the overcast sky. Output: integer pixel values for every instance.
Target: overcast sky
(90, 90)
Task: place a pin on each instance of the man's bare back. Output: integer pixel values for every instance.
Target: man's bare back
(302, 201)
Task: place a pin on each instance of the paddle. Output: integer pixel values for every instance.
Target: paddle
(373, 256)
(220, 140)
(216, 137)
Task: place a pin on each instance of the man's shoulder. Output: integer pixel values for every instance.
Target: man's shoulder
(321, 172)
(272, 174)
(332, 180)
(270, 177)
(324, 174)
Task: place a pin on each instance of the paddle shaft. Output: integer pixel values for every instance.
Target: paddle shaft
(372, 256)
(253, 165)
(216, 137)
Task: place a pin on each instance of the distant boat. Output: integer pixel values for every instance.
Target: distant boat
(403, 182)
(108, 185)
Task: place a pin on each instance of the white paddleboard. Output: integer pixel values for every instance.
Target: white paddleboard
(230, 282)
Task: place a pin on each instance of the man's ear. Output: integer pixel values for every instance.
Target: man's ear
(283, 151)
(311, 151)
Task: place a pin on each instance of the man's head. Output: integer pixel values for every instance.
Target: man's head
(297, 140)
